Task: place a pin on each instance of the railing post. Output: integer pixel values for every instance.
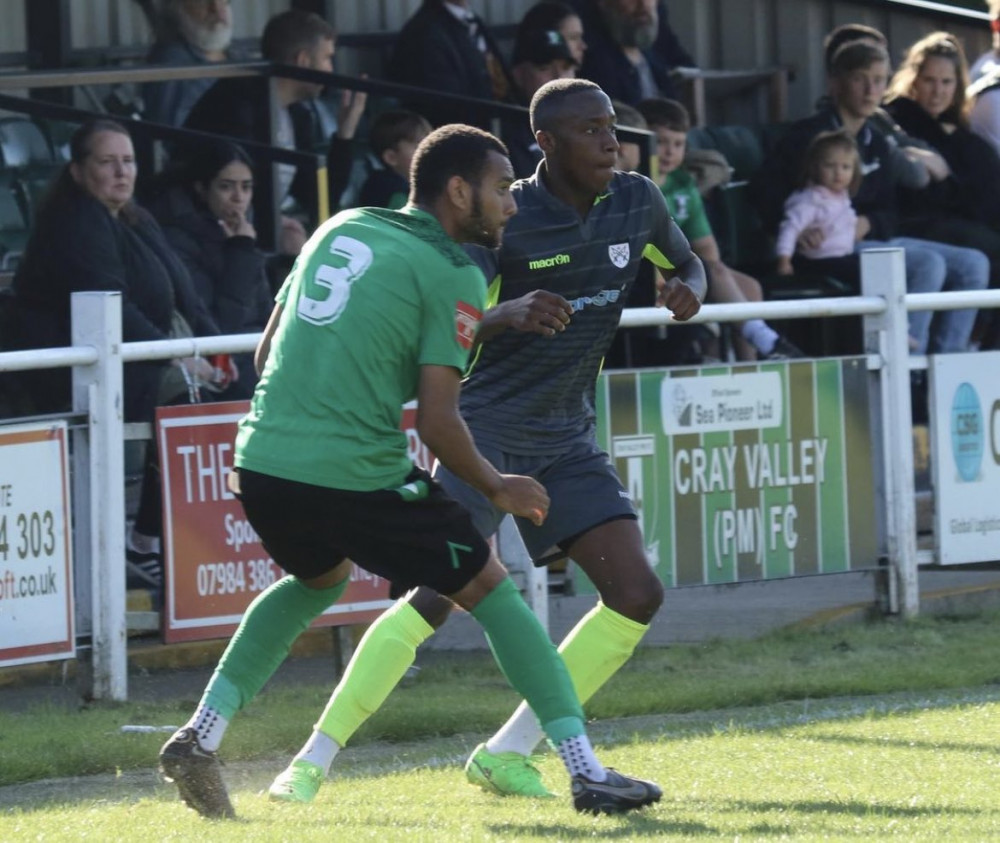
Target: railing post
(883, 273)
(514, 555)
(97, 391)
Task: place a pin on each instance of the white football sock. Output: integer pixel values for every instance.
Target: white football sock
(320, 750)
(209, 726)
(578, 756)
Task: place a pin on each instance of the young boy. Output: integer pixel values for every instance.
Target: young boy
(394, 138)
(670, 121)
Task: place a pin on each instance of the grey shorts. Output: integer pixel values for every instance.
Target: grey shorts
(583, 488)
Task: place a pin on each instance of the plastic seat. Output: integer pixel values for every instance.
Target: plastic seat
(23, 145)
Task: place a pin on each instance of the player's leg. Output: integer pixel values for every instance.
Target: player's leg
(289, 518)
(534, 668)
(432, 541)
(380, 661)
(585, 493)
(382, 657)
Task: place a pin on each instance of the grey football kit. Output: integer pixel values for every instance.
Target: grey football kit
(529, 399)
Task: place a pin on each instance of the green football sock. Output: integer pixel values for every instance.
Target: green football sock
(269, 627)
(383, 656)
(600, 643)
(529, 661)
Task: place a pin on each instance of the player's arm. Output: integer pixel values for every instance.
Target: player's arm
(264, 346)
(686, 284)
(669, 249)
(443, 430)
(538, 312)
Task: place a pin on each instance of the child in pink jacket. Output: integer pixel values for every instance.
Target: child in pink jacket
(832, 176)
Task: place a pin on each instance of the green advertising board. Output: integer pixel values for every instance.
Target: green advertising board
(745, 472)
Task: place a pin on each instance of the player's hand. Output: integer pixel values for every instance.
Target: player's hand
(522, 496)
(538, 312)
(811, 238)
(677, 297)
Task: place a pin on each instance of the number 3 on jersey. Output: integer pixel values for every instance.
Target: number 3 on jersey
(325, 295)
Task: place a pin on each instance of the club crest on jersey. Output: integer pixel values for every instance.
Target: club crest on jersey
(619, 254)
(466, 321)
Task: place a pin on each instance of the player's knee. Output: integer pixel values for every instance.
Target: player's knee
(637, 600)
(431, 606)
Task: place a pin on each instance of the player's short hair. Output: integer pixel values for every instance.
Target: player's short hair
(289, 33)
(396, 125)
(836, 39)
(856, 55)
(548, 103)
(661, 113)
(452, 150)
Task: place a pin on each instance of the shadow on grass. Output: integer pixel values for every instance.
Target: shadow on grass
(931, 746)
(849, 808)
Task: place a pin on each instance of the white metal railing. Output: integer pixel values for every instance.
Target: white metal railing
(97, 355)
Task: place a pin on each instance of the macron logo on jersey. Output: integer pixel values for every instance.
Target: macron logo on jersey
(466, 321)
(548, 263)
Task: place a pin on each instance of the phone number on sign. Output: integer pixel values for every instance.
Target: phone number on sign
(236, 577)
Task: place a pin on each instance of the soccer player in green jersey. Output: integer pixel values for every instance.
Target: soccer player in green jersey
(560, 279)
(381, 307)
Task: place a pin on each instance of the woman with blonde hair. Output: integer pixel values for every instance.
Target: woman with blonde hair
(927, 98)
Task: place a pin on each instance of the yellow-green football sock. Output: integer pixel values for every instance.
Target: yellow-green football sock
(382, 658)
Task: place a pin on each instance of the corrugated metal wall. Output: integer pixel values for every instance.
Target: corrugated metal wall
(732, 34)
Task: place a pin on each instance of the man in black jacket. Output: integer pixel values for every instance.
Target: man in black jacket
(447, 49)
(235, 107)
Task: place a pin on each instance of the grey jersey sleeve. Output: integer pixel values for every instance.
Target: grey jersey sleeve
(670, 250)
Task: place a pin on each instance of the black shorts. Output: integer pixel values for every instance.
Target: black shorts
(414, 535)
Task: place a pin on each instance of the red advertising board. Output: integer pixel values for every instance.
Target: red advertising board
(214, 562)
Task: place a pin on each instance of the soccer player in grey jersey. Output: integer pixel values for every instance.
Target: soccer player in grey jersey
(559, 282)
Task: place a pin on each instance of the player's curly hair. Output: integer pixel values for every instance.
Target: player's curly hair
(453, 150)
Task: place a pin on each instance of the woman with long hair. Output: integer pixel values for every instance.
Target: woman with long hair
(927, 98)
(91, 235)
(205, 215)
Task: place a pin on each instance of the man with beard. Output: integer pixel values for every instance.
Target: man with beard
(191, 32)
(631, 48)
(559, 282)
(382, 307)
(233, 107)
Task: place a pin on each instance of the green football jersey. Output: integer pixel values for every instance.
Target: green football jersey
(374, 295)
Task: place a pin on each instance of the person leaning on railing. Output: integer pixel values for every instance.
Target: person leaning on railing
(91, 235)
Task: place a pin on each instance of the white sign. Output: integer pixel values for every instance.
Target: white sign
(965, 456)
(36, 565)
(721, 403)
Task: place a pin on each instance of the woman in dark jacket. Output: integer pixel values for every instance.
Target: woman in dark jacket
(204, 217)
(927, 99)
(90, 235)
